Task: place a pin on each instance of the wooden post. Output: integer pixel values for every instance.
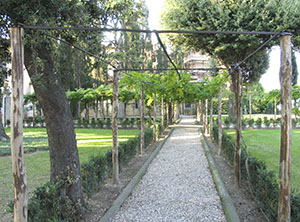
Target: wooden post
(238, 128)
(115, 152)
(17, 151)
(201, 112)
(211, 122)
(142, 146)
(154, 119)
(198, 111)
(220, 122)
(162, 113)
(284, 207)
(205, 116)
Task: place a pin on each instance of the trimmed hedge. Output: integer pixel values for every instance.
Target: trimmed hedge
(264, 183)
(46, 205)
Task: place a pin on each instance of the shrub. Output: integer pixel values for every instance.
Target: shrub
(267, 122)
(46, 203)
(99, 123)
(93, 123)
(227, 122)
(258, 123)
(264, 183)
(251, 122)
(107, 123)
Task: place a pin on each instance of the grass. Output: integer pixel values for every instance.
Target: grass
(91, 142)
(265, 145)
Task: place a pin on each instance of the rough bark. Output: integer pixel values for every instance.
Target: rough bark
(115, 153)
(142, 146)
(220, 122)
(64, 160)
(17, 150)
(238, 128)
(154, 119)
(231, 111)
(284, 206)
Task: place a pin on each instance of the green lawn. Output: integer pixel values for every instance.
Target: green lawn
(91, 142)
(265, 145)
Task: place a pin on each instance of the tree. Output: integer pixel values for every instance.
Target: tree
(237, 15)
(295, 69)
(40, 63)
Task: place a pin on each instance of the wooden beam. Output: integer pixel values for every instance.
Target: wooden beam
(284, 207)
(238, 128)
(115, 151)
(17, 150)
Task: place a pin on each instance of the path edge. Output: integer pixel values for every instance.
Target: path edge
(227, 203)
(115, 207)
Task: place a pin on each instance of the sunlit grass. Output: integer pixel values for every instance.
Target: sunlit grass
(265, 145)
(91, 142)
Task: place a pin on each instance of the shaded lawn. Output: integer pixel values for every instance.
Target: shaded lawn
(265, 145)
(91, 142)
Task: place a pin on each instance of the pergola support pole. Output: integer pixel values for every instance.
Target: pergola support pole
(17, 150)
(284, 206)
(115, 152)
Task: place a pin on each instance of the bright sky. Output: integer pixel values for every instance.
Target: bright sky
(270, 80)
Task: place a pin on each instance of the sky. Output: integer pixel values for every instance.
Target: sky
(269, 80)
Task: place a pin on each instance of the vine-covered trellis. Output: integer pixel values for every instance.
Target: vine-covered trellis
(17, 54)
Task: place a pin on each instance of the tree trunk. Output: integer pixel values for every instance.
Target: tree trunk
(177, 111)
(64, 160)
(284, 205)
(17, 151)
(162, 113)
(115, 154)
(238, 108)
(220, 122)
(96, 109)
(211, 119)
(142, 146)
(154, 119)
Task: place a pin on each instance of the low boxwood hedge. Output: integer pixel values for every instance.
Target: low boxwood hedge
(264, 184)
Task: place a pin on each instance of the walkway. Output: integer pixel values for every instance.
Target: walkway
(178, 185)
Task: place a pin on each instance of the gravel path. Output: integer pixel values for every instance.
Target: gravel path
(178, 185)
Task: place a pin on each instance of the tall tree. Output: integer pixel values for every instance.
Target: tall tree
(40, 63)
(236, 15)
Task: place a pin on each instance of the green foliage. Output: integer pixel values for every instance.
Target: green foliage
(47, 205)
(263, 183)
(258, 122)
(267, 122)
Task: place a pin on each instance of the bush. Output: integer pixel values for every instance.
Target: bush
(267, 122)
(46, 203)
(107, 123)
(100, 123)
(264, 183)
(227, 122)
(251, 122)
(258, 123)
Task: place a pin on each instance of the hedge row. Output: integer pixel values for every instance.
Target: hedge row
(46, 203)
(258, 123)
(264, 183)
(101, 123)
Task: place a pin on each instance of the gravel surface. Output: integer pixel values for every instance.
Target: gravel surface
(178, 185)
